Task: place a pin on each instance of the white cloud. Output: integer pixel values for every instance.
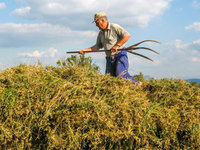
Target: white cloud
(49, 53)
(22, 12)
(78, 13)
(192, 46)
(195, 26)
(68, 23)
(31, 35)
(2, 5)
(157, 62)
(187, 51)
(196, 42)
(196, 4)
(179, 45)
(33, 54)
(196, 59)
(195, 52)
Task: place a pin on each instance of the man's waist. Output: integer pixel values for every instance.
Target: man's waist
(117, 54)
(109, 53)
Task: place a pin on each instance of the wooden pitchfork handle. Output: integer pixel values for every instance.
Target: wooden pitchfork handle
(129, 49)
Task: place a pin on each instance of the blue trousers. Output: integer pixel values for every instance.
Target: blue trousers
(118, 66)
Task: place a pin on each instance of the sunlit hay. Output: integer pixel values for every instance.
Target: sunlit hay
(75, 107)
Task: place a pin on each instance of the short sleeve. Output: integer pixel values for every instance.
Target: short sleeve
(121, 32)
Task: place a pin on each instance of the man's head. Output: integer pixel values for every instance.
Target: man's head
(101, 20)
(100, 15)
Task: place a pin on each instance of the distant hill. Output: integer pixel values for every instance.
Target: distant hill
(193, 80)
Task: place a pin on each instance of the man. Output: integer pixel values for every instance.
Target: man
(112, 37)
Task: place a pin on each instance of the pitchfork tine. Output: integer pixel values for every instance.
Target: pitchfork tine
(146, 41)
(143, 42)
(141, 55)
(146, 49)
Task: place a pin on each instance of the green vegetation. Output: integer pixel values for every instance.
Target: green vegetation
(73, 106)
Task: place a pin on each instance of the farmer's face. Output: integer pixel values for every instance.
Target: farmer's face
(101, 24)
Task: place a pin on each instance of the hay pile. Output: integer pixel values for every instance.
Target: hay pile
(73, 106)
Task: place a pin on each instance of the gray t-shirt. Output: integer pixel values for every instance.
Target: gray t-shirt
(109, 38)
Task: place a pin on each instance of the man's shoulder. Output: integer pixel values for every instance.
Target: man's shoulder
(115, 25)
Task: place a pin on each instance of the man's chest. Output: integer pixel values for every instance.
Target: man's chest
(108, 37)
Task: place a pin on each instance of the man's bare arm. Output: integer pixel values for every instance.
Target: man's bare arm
(120, 43)
(93, 48)
(123, 40)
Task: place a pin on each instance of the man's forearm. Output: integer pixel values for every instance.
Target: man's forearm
(123, 40)
(93, 48)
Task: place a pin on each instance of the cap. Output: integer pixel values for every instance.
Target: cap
(99, 16)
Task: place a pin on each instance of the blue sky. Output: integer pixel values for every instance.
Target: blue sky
(32, 30)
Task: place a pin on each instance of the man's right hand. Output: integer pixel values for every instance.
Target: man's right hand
(86, 50)
(82, 52)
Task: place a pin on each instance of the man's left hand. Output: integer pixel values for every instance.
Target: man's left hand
(115, 48)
